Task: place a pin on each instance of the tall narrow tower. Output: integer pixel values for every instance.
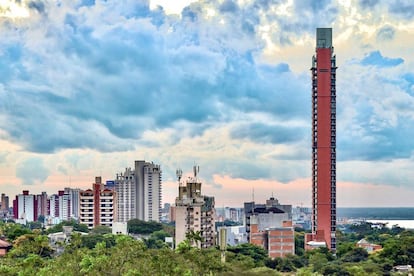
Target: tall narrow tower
(324, 140)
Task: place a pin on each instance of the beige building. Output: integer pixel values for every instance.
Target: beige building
(97, 206)
(194, 212)
(270, 227)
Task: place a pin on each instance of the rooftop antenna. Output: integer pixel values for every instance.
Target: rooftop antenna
(196, 170)
(179, 174)
(253, 194)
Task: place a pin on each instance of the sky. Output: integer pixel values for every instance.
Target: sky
(87, 87)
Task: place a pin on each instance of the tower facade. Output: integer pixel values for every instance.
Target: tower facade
(194, 212)
(125, 188)
(148, 190)
(324, 140)
(139, 192)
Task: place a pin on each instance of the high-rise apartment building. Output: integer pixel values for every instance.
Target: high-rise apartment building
(64, 206)
(43, 204)
(139, 192)
(125, 187)
(148, 181)
(25, 207)
(97, 206)
(194, 212)
(4, 202)
(323, 142)
(73, 195)
(54, 206)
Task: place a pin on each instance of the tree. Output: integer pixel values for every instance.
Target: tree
(28, 244)
(194, 237)
(157, 240)
(14, 230)
(355, 255)
(258, 254)
(76, 227)
(136, 226)
(101, 229)
(318, 261)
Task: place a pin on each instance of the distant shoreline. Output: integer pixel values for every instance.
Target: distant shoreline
(372, 213)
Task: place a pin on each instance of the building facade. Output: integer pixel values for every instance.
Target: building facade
(4, 202)
(323, 141)
(125, 188)
(139, 192)
(194, 212)
(73, 195)
(25, 207)
(270, 227)
(97, 206)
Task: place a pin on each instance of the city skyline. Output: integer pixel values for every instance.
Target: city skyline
(87, 87)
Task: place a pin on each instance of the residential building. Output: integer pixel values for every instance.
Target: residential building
(270, 227)
(125, 187)
(194, 212)
(139, 192)
(97, 206)
(148, 180)
(54, 206)
(43, 204)
(4, 202)
(73, 195)
(323, 142)
(369, 247)
(25, 207)
(64, 205)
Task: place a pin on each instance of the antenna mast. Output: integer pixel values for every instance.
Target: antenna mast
(179, 174)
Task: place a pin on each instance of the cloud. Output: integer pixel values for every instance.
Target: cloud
(375, 58)
(32, 171)
(269, 133)
(222, 82)
(402, 8)
(368, 3)
(386, 33)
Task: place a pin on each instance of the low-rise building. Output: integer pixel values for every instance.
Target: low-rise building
(369, 247)
(270, 227)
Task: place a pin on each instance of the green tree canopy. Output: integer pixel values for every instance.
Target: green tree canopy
(136, 226)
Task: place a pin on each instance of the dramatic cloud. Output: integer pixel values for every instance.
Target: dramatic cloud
(93, 85)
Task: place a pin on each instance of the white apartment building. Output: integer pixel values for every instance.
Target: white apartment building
(25, 207)
(125, 187)
(74, 201)
(139, 192)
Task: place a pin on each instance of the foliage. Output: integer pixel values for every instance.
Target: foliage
(76, 227)
(300, 243)
(258, 254)
(157, 240)
(91, 240)
(355, 255)
(14, 230)
(136, 226)
(31, 244)
(107, 254)
(101, 229)
(194, 237)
